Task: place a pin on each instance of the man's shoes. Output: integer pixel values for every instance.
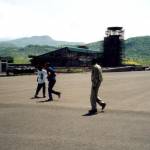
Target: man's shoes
(36, 96)
(93, 111)
(48, 100)
(103, 106)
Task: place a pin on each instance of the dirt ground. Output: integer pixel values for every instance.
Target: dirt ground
(27, 124)
(121, 91)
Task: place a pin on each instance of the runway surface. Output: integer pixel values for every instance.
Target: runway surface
(28, 124)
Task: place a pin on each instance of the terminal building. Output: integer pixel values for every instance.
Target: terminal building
(67, 57)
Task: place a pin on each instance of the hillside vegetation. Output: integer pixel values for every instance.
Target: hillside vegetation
(20, 55)
(37, 40)
(136, 50)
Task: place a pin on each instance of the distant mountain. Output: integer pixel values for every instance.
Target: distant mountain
(4, 39)
(138, 45)
(97, 46)
(131, 45)
(20, 55)
(137, 48)
(38, 40)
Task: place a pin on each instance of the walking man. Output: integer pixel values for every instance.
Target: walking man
(96, 78)
(51, 76)
(41, 77)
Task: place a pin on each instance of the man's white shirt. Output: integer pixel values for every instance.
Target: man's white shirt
(41, 76)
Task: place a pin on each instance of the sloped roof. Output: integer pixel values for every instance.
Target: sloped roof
(73, 49)
(83, 50)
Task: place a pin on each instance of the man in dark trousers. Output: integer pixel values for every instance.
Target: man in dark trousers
(96, 78)
(51, 76)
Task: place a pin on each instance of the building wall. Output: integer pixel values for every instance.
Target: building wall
(112, 51)
(65, 58)
(3, 65)
(0, 66)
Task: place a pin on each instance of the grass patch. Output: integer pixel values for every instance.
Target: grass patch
(137, 61)
(21, 60)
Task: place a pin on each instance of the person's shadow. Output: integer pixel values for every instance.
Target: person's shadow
(36, 97)
(92, 114)
(44, 101)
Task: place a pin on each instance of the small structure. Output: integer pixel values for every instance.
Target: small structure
(67, 57)
(113, 47)
(4, 61)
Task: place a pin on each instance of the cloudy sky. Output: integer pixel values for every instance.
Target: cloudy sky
(73, 20)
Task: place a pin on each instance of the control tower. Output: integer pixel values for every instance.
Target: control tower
(113, 47)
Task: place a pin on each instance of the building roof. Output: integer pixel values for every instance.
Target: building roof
(73, 49)
(114, 28)
(83, 50)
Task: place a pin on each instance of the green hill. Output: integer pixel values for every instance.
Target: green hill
(138, 46)
(20, 55)
(37, 40)
(137, 49)
(98, 46)
(20, 48)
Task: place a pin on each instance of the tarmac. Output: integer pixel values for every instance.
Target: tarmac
(30, 124)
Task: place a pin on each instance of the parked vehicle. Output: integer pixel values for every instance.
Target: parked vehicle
(16, 70)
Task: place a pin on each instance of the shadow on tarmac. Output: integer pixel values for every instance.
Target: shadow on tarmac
(92, 114)
(36, 97)
(44, 101)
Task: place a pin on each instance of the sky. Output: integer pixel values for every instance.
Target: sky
(73, 20)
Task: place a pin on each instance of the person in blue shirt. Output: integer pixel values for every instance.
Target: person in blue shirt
(51, 76)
